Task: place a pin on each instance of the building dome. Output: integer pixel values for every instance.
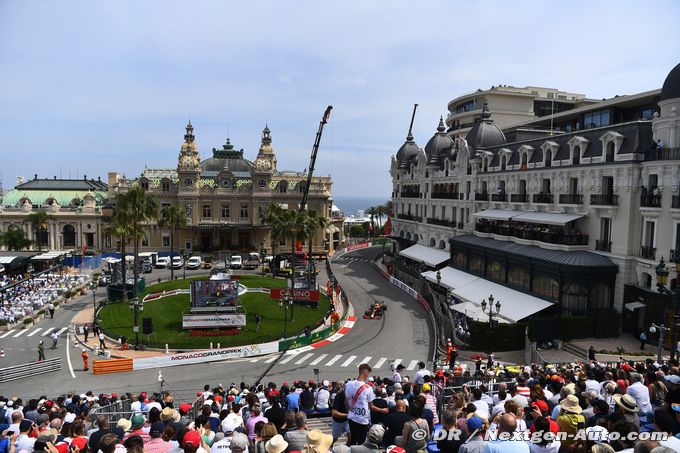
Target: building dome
(485, 133)
(438, 146)
(227, 156)
(408, 152)
(671, 86)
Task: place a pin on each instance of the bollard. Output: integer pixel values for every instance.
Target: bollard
(218, 346)
(211, 345)
(167, 351)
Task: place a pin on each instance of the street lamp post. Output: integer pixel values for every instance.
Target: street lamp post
(285, 303)
(662, 333)
(136, 305)
(491, 312)
(661, 280)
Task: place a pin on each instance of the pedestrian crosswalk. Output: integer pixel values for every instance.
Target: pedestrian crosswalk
(311, 358)
(36, 331)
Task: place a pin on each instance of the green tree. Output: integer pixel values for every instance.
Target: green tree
(388, 206)
(273, 216)
(15, 239)
(139, 208)
(313, 222)
(357, 231)
(173, 217)
(120, 227)
(39, 221)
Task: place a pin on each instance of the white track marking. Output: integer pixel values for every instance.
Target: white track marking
(34, 332)
(333, 360)
(380, 362)
(412, 366)
(319, 359)
(304, 359)
(8, 333)
(348, 361)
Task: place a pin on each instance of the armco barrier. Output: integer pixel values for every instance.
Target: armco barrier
(111, 366)
(25, 370)
(292, 343)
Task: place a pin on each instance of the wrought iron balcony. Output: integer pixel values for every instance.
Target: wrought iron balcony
(543, 198)
(533, 233)
(482, 196)
(409, 217)
(603, 246)
(499, 197)
(604, 199)
(571, 198)
(444, 195)
(648, 253)
(519, 198)
(650, 200)
(662, 154)
(409, 194)
(433, 221)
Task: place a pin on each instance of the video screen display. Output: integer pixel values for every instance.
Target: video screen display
(214, 293)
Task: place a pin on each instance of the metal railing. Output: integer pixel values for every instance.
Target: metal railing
(648, 253)
(123, 409)
(571, 198)
(441, 222)
(499, 197)
(529, 233)
(409, 217)
(482, 196)
(519, 198)
(543, 198)
(26, 370)
(404, 194)
(662, 154)
(650, 200)
(603, 246)
(604, 199)
(444, 195)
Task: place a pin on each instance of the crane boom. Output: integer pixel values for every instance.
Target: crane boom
(312, 161)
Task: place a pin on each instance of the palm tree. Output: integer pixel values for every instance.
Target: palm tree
(274, 216)
(173, 217)
(312, 224)
(15, 239)
(120, 228)
(388, 208)
(139, 207)
(39, 221)
(380, 212)
(372, 212)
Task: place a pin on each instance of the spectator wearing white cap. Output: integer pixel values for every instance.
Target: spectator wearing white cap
(323, 398)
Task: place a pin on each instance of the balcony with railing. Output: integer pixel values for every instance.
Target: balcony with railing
(650, 200)
(543, 198)
(482, 196)
(499, 197)
(571, 198)
(648, 253)
(675, 202)
(519, 198)
(604, 199)
(410, 194)
(444, 195)
(411, 217)
(662, 154)
(603, 246)
(539, 233)
(440, 222)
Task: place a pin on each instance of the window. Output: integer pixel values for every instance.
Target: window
(518, 277)
(546, 186)
(163, 206)
(244, 211)
(188, 182)
(522, 186)
(649, 234)
(503, 163)
(548, 158)
(459, 259)
(600, 296)
(282, 242)
(576, 157)
(165, 185)
(574, 297)
(476, 264)
(596, 119)
(495, 270)
(262, 183)
(608, 185)
(145, 240)
(166, 240)
(647, 114)
(443, 212)
(609, 153)
(144, 184)
(546, 286)
(301, 187)
(207, 211)
(225, 212)
(573, 186)
(605, 229)
(283, 187)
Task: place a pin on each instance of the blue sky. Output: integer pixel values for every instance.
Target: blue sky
(92, 87)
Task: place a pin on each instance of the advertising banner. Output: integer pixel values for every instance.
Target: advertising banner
(307, 295)
(361, 245)
(210, 355)
(304, 340)
(214, 293)
(213, 320)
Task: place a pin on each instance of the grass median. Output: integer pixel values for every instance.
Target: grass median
(117, 318)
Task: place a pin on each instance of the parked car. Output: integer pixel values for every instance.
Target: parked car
(236, 262)
(253, 261)
(163, 262)
(194, 262)
(177, 262)
(145, 267)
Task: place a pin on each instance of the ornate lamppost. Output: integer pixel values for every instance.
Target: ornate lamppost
(661, 281)
(492, 314)
(136, 305)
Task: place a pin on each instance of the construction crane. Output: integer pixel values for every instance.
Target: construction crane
(312, 161)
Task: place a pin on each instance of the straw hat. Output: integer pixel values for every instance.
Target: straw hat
(276, 444)
(124, 424)
(570, 404)
(627, 403)
(319, 441)
(167, 414)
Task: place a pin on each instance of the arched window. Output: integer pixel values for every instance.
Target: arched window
(283, 187)
(576, 158)
(442, 244)
(165, 185)
(144, 184)
(415, 238)
(69, 236)
(548, 158)
(503, 163)
(301, 186)
(609, 153)
(432, 242)
(523, 163)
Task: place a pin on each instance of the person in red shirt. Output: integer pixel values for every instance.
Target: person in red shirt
(539, 408)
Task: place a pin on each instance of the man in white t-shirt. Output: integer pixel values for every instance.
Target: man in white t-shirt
(323, 397)
(359, 402)
(421, 373)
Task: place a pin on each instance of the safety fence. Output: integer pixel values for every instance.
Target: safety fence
(26, 370)
(123, 409)
(112, 366)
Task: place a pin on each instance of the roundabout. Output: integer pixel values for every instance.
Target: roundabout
(165, 310)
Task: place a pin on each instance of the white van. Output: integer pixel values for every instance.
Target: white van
(194, 262)
(162, 262)
(236, 262)
(177, 262)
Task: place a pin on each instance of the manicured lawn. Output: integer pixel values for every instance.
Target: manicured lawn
(117, 318)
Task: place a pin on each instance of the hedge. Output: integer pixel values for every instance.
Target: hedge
(574, 327)
(505, 337)
(28, 321)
